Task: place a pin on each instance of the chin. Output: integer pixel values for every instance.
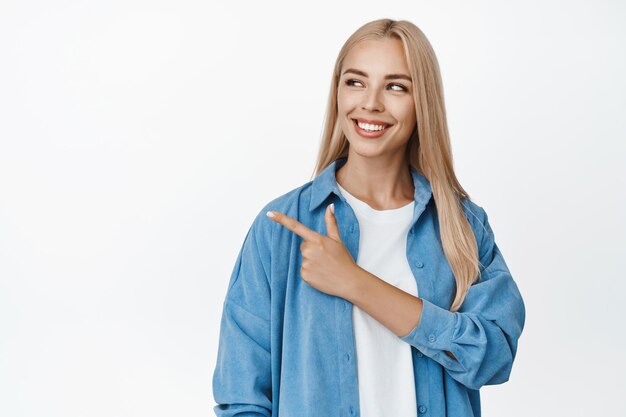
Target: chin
(367, 151)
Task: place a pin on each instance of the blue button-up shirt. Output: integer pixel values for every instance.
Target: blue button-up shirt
(287, 349)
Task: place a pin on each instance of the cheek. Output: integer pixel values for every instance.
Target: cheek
(407, 113)
(343, 102)
(410, 119)
(346, 100)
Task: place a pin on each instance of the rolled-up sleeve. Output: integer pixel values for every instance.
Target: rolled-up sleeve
(483, 334)
(242, 377)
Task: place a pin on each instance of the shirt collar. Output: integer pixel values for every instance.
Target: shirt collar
(326, 183)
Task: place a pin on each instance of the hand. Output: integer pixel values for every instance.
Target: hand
(327, 265)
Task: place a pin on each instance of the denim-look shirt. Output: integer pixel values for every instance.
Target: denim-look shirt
(287, 349)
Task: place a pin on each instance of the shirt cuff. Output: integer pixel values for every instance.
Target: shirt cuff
(434, 332)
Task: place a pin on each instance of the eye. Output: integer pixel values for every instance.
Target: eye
(402, 88)
(350, 81)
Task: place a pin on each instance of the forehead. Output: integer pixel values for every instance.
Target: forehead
(377, 57)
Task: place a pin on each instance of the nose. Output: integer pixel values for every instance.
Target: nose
(372, 102)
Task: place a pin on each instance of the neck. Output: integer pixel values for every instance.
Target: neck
(381, 182)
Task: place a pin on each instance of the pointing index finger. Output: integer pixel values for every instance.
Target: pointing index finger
(292, 224)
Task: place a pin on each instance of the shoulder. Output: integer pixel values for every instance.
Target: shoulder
(479, 221)
(289, 203)
(476, 215)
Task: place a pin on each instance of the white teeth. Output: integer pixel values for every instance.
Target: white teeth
(371, 128)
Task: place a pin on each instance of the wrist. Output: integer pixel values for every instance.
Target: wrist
(355, 282)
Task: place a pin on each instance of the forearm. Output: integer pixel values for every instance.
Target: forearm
(395, 309)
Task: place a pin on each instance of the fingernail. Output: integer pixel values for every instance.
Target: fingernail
(332, 207)
(269, 214)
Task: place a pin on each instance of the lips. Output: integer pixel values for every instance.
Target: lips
(373, 134)
(373, 122)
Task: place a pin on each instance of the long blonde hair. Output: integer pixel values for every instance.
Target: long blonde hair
(428, 149)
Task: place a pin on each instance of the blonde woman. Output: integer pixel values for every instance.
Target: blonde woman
(376, 289)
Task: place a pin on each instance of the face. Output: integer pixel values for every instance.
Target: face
(375, 87)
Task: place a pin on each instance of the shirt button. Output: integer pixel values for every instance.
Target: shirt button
(419, 264)
(422, 409)
(419, 354)
(432, 338)
(348, 357)
(351, 410)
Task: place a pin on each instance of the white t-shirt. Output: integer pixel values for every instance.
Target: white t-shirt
(384, 361)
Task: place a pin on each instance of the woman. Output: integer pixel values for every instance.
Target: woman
(376, 289)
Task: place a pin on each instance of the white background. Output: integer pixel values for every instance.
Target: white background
(138, 140)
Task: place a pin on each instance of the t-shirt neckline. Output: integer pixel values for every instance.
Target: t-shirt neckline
(382, 216)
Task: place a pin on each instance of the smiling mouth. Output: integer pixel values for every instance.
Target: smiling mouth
(385, 126)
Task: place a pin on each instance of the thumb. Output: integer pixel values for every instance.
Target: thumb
(332, 230)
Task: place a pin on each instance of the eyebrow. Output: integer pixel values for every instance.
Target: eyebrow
(387, 77)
